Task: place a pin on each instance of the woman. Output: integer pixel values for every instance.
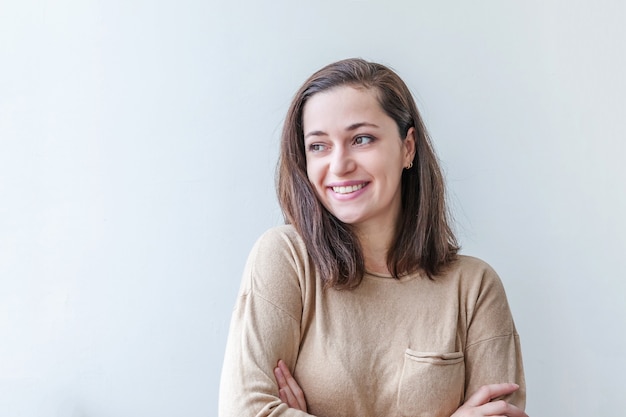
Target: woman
(361, 306)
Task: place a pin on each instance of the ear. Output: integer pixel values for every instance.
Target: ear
(409, 146)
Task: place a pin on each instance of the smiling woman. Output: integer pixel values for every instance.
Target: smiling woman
(360, 305)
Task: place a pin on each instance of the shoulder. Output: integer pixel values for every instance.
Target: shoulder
(278, 264)
(473, 270)
(471, 265)
(476, 279)
(280, 235)
(483, 291)
(279, 244)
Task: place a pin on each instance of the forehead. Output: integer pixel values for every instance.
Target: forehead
(342, 105)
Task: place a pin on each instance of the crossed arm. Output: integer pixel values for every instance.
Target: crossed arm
(478, 404)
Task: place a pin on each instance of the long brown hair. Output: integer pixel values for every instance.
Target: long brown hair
(423, 237)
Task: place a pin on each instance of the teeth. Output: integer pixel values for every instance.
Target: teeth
(349, 189)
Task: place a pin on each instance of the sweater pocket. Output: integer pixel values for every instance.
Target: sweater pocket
(431, 384)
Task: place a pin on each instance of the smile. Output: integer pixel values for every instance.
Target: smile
(348, 189)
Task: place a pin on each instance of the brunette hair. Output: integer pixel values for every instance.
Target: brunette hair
(423, 237)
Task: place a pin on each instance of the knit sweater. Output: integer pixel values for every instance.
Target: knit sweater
(391, 347)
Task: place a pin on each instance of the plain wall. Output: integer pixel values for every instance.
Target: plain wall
(138, 141)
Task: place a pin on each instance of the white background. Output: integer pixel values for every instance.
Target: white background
(138, 141)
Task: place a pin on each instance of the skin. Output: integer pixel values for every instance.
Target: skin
(350, 141)
(288, 389)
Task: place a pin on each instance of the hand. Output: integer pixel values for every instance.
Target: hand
(480, 404)
(288, 389)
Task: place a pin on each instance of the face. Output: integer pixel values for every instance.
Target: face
(355, 156)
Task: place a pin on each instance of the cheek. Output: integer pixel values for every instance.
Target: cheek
(316, 179)
(313, 172)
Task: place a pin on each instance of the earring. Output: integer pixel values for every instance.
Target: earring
(410, 165)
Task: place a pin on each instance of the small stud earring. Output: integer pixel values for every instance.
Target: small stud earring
(410, 165)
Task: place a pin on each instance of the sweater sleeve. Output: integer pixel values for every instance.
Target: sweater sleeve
(265, 327)
(492, 352)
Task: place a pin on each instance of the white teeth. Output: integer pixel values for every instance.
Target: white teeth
(349, 189)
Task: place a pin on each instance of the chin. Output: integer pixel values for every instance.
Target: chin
(351, 220)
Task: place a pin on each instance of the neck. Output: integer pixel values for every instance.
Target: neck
(375, 245)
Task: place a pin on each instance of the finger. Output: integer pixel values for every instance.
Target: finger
(501, 408)
(283, 396)
(284, 391)
(488, 392)
(280, 378)
(293, 384)
(288, 398)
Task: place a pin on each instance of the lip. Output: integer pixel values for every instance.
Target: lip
(349, 196)
(346, 183)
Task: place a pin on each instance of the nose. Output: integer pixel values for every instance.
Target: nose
(341, 162)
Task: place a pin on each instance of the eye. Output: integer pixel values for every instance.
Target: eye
(363, 140)
(317, 147)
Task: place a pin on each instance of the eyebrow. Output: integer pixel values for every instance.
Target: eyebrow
(350, 128)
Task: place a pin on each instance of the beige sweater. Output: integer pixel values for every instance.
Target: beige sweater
(410, 347)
